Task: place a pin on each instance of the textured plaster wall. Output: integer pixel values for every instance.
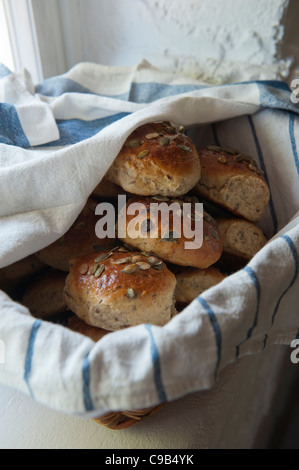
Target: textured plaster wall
(217, 40)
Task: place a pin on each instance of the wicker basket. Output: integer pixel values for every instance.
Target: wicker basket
(115, 420)
(125, 419)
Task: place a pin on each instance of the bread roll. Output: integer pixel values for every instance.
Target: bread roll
(14, 278)
(75, 324)
(44, 297)
(157, 158)
(241, 241)
(115, 290)
(79, 240)
(192, 282)
(155, 235)
(107, 190)
(216, 211)
(233, 181)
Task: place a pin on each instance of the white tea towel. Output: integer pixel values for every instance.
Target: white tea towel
(45, 180)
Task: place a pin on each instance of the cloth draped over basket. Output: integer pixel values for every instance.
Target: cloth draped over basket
(57, 140)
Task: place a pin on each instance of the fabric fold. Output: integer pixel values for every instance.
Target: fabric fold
(45, 180)
(25, 120)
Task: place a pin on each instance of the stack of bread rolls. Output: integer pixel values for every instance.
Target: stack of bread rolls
(114, 283)
(135, 282)
(234, 188)
(104, 285)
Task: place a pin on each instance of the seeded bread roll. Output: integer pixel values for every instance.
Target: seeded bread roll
(157, 158)
(14, 278)
(75, 324)
(44, 297)
(107, 190)
(241, 241)
(233, 181)
(172, 245)
(192, 282)
(79, 240)
(214, 210)
(116, 290)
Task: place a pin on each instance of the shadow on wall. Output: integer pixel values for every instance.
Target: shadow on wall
(290, 44)
(220, 41)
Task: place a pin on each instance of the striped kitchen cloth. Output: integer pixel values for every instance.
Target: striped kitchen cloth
(57, 140)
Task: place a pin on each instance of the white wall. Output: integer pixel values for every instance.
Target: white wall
(218, 40)
(214, 40)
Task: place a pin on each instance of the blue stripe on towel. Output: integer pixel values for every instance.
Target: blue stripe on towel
(277, 98)
(88, 403)
(152, 91)
(293, 141)
(76, 130)
(157, 367)
(4, 71)
(216, 329)
(29, 354)
(257, 286)
(277, 84)
(137, 93)
(11, 131)
(292, 247)
(57, 86)
(262, 165)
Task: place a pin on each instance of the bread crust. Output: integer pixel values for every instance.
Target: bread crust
(234, 181)
(75, 324)
(121, 291)
(44, 296)
(26, 267)
(107, 190)
(241, 238)
(157, 158)
(192, 282)
(15, 277)
(80, 239)
(172, 250)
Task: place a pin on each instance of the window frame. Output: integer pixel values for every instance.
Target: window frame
(36, 37)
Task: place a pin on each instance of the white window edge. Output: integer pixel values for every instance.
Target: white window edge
(36, 37)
